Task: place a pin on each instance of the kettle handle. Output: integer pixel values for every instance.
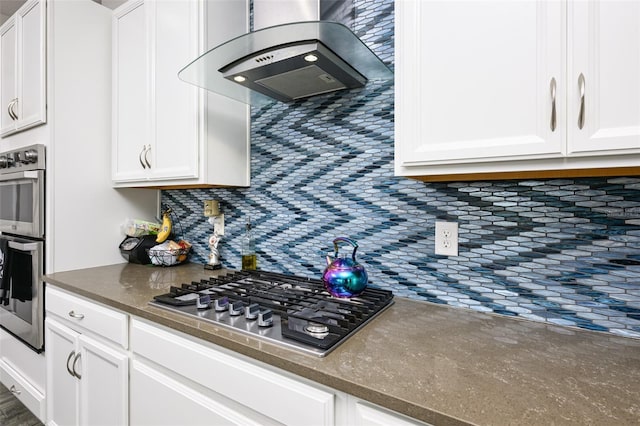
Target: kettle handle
(346, 240)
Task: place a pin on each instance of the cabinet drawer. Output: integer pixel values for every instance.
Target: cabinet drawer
(79, 312)
(273, 395)
(158, 400)
(27, 394)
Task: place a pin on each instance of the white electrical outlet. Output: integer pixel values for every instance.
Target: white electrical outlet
(447, 238)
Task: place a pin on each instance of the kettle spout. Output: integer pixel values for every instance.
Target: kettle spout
(329, 260)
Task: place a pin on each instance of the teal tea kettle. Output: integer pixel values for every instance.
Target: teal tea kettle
(344, 277)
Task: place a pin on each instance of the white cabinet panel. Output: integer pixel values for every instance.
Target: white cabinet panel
(87, 377)
(175, 123)
(131, 105)
(62, 395)
(168, 132)
(159, 400)
(23, 55)
(8, 84)
(105, 322)
(104, 384)
(270, 394)
(362, 413)
(473, 80)
(31, 65)
(495, 86)
(604, 47)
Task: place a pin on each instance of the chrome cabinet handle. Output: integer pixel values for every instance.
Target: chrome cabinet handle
(146, 158)
(75, 360)
(69, 359)
(553, 104)
(14, 391)
(15, 102)
(10, 109)
(144, 148)
(581, 85)
(72, 314)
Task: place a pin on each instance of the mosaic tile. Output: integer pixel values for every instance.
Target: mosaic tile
(564, 251)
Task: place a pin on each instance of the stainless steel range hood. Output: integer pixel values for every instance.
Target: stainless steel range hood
(291, 60)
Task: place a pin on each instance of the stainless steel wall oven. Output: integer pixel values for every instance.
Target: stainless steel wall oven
(22, 241)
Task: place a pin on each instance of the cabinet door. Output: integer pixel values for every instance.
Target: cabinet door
(157, 399)
(31, 65)
(104, 384)
(174, 34)
(604, 47)
(365, 414)
(131, 104)
(62, 394)
(8, 74)
(473, 82)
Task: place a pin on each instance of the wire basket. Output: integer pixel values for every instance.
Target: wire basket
(169, 257)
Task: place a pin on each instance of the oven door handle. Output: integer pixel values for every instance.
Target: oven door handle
(23, 246)
(30, 174)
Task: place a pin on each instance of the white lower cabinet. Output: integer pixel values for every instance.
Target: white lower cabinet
(87, 374)
(212, 382)
(158, 399)
(363, 413)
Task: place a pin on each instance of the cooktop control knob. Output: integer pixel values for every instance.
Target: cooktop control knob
(236, 308)
(251, 312)
(3, 162)
(221, 304)
(10, 160)
(265, 318)
(203, 302)
(30, 156)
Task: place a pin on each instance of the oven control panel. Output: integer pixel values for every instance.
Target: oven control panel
(22, 159)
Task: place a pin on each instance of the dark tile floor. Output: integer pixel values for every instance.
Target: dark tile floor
(13, 412)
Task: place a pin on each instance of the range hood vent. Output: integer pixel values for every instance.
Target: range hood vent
(287, 62)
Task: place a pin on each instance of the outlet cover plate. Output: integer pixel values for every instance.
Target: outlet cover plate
(447, 238)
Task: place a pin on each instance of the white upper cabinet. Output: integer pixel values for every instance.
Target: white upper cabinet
(130, 99)
(492, 86)
(22, 69)
(470, 78)
(604, 48)
(164, 132)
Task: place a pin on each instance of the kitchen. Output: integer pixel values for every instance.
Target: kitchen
(558, 250)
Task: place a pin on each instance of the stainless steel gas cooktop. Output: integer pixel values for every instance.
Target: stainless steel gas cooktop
(289, 311)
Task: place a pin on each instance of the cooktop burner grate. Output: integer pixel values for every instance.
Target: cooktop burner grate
(292, 311)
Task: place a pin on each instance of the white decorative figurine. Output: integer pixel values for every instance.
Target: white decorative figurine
(214, 256)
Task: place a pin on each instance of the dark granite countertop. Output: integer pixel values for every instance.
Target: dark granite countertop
(438, 364)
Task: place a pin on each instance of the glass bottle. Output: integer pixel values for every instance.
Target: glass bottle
(249, 260)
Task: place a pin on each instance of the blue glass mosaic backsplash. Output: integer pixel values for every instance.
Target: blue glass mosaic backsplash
(564, 251)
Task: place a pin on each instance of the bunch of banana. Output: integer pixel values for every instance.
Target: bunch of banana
(165, 229)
